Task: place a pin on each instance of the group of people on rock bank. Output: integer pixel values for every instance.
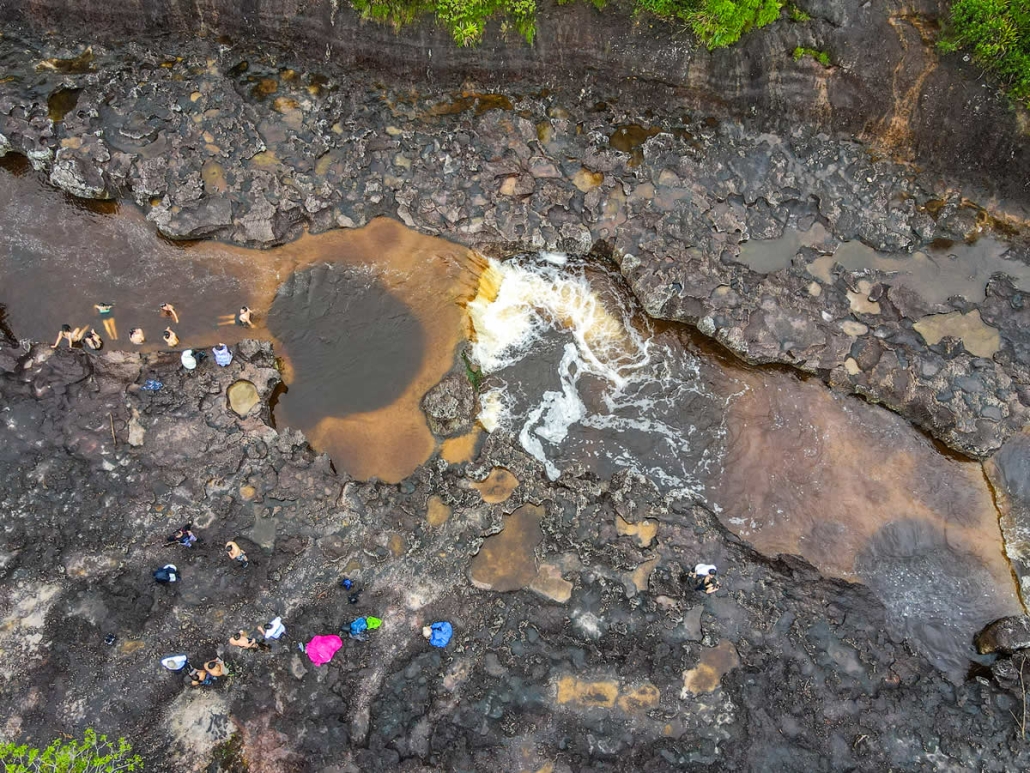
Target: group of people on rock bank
(320, 649)
(89, 338)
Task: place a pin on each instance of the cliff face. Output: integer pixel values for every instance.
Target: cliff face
(886, 84)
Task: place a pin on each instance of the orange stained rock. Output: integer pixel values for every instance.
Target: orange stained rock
(507, 560)
(643, 697)
(584, 694)
(706, 675)
(497, 486)
(644, 531)
(462, 448)
(437, 511)
(817, 474)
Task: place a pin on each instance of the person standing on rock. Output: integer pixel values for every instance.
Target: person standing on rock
(236, 554)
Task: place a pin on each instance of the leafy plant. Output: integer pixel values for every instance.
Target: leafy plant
(94, 754)
(464, 19)
(797, 14)
(998, 34)
(472, 372)
(720, 23)
(820, 56)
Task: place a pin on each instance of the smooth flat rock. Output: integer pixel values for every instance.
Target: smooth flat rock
(506, 561)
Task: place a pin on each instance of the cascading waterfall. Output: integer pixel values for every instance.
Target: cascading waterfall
(578, 382)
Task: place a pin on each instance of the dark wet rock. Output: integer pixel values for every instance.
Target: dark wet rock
(1009, 473)
(207, 218)
(78, 168)
(450, 406)
(1013, 673)
(1004, 636)
(596, 680)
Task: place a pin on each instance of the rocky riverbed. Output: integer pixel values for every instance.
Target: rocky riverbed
(580, 643)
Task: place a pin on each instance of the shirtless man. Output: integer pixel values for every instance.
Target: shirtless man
(137, 336)
(168, 310)
(170, 337)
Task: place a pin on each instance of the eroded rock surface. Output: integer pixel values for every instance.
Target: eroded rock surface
(585, 666)
(231, 143)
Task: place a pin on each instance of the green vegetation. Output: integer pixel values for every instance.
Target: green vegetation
(797, 14)
(464, 19)
(820, 56)
(94, 754)
(716, 23)
(472, 372)
(998, 34)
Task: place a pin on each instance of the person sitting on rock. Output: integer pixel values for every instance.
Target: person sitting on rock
(207, 675)
(137, 336)
(170, 337)
(222, 355)
(184, 536)
(243, 317)
(236, 554)
(245, 641)
(93, 340)
(705, 578)
(69, 334)
(166, 574)
(168, 310)
(273, 629)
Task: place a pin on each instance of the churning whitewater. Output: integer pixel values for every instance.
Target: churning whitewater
(582, 380)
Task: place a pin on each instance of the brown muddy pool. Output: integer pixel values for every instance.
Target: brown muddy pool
(366, 321)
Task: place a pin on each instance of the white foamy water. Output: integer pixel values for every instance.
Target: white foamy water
(580, 385)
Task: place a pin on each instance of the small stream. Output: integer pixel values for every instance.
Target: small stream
(368, 320)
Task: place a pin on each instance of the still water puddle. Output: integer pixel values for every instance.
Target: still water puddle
(944, 270)
(366, 321)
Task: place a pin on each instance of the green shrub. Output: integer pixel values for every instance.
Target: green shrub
(820, 56)
(998, 34)
(716, 22)
(720, 23)
(94, 754)
(464, 19)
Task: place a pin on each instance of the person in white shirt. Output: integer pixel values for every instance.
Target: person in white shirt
(705, 578)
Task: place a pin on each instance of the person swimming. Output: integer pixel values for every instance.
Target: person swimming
(137, 336)
(243, 317)
(168, 310)
(93, 340)
(170, 337)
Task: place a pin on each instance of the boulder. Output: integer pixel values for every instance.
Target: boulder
(450, 406)
(1005, 635)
